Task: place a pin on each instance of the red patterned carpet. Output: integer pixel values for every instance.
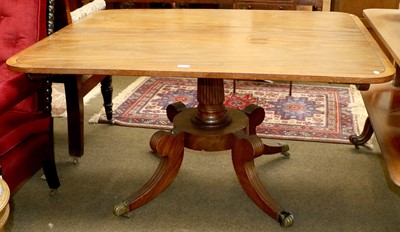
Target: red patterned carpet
(312, 113)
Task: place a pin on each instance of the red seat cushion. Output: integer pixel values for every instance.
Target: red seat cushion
(16, 126)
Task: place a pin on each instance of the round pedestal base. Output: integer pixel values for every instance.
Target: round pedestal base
(210, 139)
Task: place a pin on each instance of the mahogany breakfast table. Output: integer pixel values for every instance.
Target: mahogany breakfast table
(212, 45)
(382, 101)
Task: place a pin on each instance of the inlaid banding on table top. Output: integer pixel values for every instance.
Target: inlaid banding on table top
(383, 22)
(230, 44)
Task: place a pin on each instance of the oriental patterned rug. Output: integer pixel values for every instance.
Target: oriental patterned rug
(328, 113)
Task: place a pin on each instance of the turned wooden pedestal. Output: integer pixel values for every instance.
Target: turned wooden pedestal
(211, 127)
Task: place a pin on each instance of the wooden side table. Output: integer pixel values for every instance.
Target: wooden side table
(382, 101)
(4, 206)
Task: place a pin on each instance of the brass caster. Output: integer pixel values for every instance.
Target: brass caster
(286, 154)
(286, 219)
(121, 209)
(285, 150)
(75, 160)
(53, 192)
(354, 140)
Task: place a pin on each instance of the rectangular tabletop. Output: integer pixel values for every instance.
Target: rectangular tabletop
(213, 43)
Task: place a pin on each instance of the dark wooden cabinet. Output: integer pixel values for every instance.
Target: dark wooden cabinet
(279, 4)
(266, 4)
(357, 6)
(237, 4)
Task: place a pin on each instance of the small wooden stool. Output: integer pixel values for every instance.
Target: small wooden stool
(4, 206)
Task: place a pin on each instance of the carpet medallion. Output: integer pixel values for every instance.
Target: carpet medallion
(312, 113)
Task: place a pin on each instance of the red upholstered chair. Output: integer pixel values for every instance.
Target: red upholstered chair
(26, 136)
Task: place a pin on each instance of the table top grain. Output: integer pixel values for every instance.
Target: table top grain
(213, 43)
(386, 23)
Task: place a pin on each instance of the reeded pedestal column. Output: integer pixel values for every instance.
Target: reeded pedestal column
(211, 109)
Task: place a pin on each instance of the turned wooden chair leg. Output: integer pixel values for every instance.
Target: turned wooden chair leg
(107, 91)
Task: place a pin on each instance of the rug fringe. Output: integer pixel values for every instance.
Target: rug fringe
(59, 104)
(359, 112)
(95, 119)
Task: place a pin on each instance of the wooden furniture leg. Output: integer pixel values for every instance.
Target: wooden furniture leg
(74, 102)
(368, 130)
(365, 135)
(245, 149)
(169, 146)
(77, 86)
(211, 127)
(106, 92)
(75, 90)
(256, 116)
